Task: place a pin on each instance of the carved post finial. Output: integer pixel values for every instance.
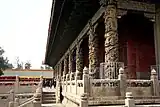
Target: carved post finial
(129, 101)
(85, 70)
(78, 75)
(129, 95)
(153, 72)
(121, 71)
(154, 78)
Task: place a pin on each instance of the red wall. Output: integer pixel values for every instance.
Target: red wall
(140, 55)
(136, 32)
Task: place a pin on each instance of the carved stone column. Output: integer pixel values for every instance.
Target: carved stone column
(65, 68)
(157, 37)
(71, 64)
(79, 61)
(57, 70)
(60, 71)
(93, 52)
(111, 35)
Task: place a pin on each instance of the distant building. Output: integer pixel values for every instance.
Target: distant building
(29, 72)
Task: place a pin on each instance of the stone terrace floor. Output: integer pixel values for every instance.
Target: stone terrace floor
(48, 89)
(52, 105)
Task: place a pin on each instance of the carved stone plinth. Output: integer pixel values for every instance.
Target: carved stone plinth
(93, 52)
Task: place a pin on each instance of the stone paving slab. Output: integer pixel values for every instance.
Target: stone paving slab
(154, 105)
(60, 105)
(52, 105)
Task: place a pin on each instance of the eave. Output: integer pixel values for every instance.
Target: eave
(67, 30)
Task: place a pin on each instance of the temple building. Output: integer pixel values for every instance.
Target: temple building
(102, 49)
(95, 33)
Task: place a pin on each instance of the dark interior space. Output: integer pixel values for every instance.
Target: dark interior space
(136, 42)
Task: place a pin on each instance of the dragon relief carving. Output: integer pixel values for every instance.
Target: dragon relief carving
(93, 52)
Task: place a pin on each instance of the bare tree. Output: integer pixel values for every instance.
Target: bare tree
(27, 65)
(19, 64)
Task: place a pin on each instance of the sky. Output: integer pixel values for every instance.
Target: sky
(24, 29)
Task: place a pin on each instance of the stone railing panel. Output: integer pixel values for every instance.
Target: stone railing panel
(5, 87)
(104, 87)
(68, 86)
(22, 87)
(73, 86)
(27, 87)
(4, 99)
(80, 87)
(140, 87)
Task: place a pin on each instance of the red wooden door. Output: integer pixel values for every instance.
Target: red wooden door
(140, 56)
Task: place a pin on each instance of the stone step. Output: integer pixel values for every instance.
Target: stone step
(48, 92)
(48, 101)
(48, 98)
(48, 95)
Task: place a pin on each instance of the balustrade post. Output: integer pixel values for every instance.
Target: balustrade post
(11, 98)
(129, 101)
(86, 80)
(41, 78)
(41, 82)
(63, 80)
(16, 103)
(17, 84)
(67, 78)
(11, 95)
(122, 78)
(11, 104)
(41, 85)
(84, 100)
(71, 78)
(58, 90)
(37, 98)
(154, 78)
(76, 78)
